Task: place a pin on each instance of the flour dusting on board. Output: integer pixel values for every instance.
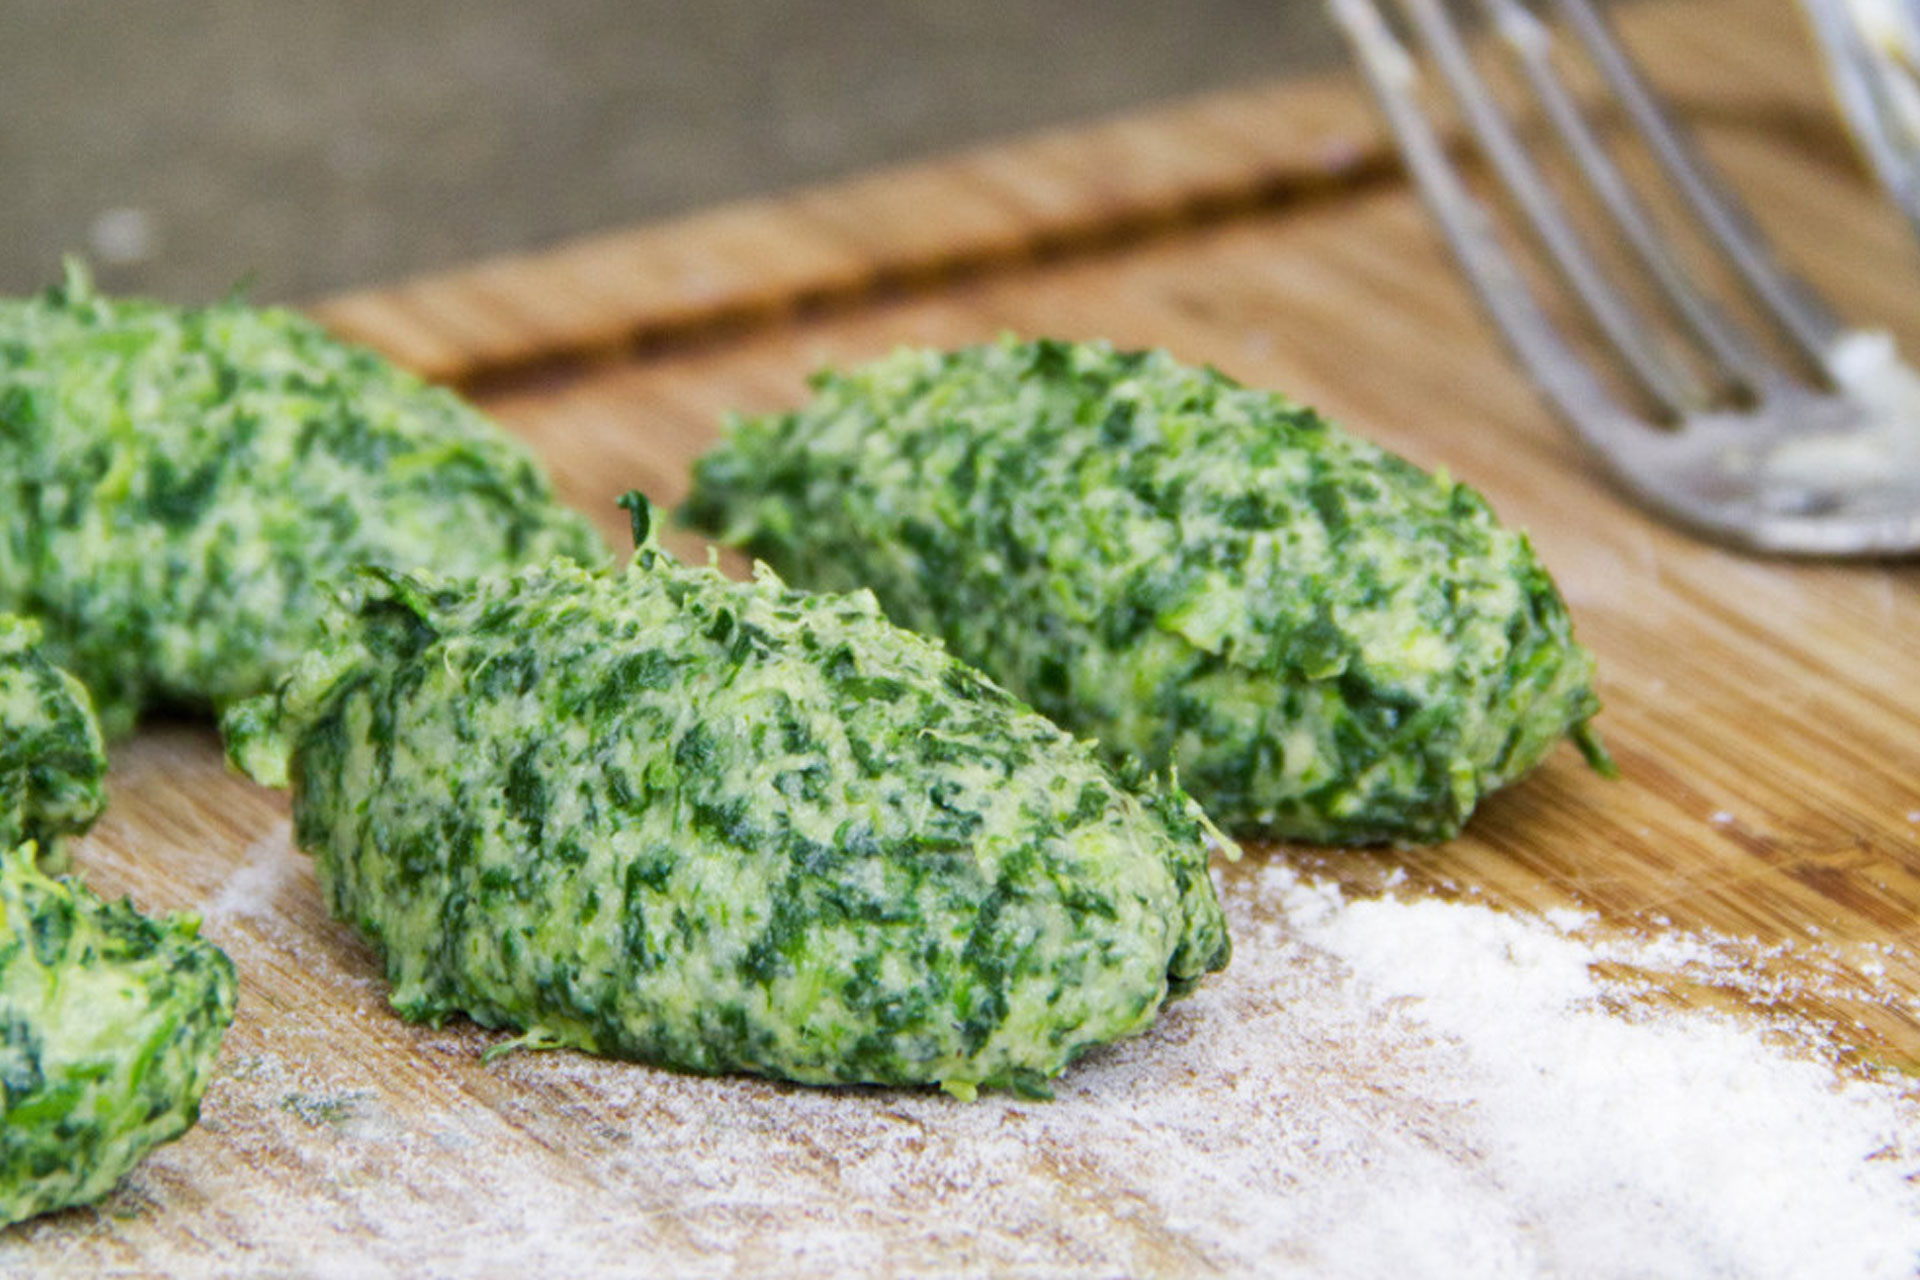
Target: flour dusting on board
(267, 866)
(1376, 1088)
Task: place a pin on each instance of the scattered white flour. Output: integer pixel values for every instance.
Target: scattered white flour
(1374, 1089)
(1664, 1143)
(266, 867)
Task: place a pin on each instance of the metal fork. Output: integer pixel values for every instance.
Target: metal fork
(1751, 454)
(1873, 60)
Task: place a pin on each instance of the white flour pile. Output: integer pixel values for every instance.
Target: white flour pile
(1374, 1089)
(1635, 1142)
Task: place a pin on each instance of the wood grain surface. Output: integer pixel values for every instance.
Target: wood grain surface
(1764, 714)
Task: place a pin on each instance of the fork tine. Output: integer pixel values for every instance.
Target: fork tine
(1562, 376)
(1801, 317)
(1737, 361)
(1866, 76)
(1671, 385)
(1805, 470)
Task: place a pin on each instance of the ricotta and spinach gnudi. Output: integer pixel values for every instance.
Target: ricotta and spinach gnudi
(180, 488)
(53, 761)
(110, 1025)
(1328, 643)
(726, 826)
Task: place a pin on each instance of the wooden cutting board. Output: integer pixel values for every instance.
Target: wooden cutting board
(1765, 714)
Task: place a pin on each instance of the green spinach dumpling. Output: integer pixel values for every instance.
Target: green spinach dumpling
(52, 761)
(1328, 643)
(180, 486)
(109, 1026)
(726, 827)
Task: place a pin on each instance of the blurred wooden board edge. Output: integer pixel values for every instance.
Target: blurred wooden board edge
(724, 273)
(525, 326)
(727, 272)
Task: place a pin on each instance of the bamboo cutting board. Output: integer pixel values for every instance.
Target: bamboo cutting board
(1764, 714)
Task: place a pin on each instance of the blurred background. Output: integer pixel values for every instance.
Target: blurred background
(185, 146)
